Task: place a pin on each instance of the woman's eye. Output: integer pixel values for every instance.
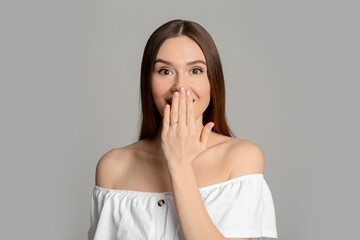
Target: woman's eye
(164, 72)
(197, 70)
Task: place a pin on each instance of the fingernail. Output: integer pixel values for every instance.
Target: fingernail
(182, 90)
(176, 94)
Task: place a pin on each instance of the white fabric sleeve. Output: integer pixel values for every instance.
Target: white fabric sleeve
(245, 209)
(95, 209)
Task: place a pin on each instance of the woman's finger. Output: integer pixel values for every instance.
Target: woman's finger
(174, 109)
(190, 113)
(166, 118)
(182, 109)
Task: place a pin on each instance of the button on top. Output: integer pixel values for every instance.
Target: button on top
(161, 202)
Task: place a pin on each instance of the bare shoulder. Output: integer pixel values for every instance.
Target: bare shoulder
(245, 157)
(112, 165)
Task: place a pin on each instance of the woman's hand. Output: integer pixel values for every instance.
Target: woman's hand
(180, 142)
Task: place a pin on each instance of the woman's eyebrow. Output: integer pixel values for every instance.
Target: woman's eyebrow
(188, 64)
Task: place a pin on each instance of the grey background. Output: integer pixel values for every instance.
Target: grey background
(69, 93)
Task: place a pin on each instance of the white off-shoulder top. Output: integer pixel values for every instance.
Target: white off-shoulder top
(241, 207)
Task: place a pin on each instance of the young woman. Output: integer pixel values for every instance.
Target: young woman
(182, 180)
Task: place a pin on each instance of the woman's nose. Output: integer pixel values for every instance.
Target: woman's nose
(180, 81)
(177, 89)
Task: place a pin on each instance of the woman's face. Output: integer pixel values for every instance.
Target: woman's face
(180, 62)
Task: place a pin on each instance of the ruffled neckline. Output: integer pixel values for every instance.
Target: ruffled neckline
(201, 189)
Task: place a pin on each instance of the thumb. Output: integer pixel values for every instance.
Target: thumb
(206, 132)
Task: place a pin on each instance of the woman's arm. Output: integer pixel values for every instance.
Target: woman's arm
(194, 219)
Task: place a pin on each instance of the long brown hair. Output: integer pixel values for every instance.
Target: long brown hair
(215, 112)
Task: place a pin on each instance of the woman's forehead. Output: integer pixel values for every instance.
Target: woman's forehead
(180, 50)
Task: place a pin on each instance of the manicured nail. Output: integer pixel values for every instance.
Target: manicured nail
(188, 93)
(182, 90)
(176, 94)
